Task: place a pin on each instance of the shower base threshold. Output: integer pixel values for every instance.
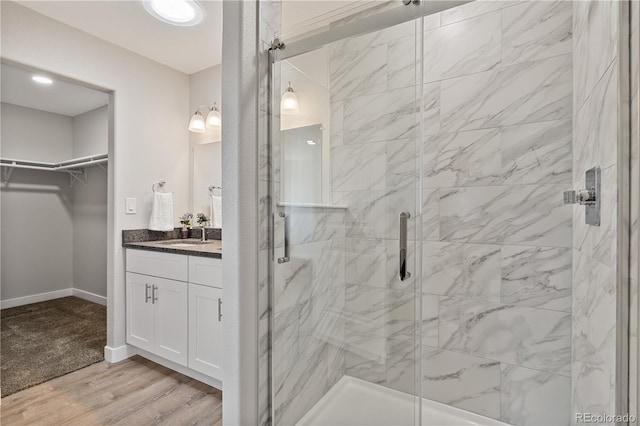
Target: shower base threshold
(355, 402)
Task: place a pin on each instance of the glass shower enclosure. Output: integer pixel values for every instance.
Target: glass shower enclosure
(423, 261)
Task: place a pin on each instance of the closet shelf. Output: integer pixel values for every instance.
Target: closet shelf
(74, 167)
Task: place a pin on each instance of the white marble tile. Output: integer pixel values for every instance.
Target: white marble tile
(595, 44)
(365, 212)
(366, 368)
(430, 215)
(524, 93)
(466, 47)
(537, 153)
(539, 277)
(402, 365)
(462, 159)
(402, 167)
(531, 397)
(525, 215)
(528, 337)
(270, 19)
(463, 381)
(596, 126)
(603, 238)
(431, 108)
(403, 62)
(292, 282)
(337, 123)
(464, 270)
(365, 262)
(472, 9)
(536, 30)
(430, 320)
(594, 332)
(381, 117)
(359, 167)
(362, 72)
(373, 39)
(380, 312)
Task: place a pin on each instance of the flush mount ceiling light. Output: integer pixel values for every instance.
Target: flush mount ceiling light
(198, 124)
(289, 102)
(42, 79)
(184, 13)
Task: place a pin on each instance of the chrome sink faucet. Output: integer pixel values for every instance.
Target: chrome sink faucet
(203, 238)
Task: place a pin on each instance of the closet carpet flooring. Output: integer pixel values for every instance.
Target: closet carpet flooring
(133, 392)
(45, 340)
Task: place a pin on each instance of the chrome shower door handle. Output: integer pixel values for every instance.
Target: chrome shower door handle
(285, 258)
(403, 274)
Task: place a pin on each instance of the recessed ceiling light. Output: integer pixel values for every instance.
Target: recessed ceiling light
(183, 13)
(42, 79)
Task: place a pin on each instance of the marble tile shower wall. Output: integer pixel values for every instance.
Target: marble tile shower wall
(595, 28)
(497, 155)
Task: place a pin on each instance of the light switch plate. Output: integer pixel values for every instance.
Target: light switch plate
(130, 206)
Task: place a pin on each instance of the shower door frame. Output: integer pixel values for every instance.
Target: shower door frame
(400, 15)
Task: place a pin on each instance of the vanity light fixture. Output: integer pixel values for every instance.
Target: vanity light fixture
(198, 124)
(42, 79)
(289, 102)
(183, 13)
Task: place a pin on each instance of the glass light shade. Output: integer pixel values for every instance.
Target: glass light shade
(289, 102)
(213, 118)
(175, 12)
(197, 124)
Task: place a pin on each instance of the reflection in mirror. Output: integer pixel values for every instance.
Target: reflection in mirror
(305, 157)
(302, 164)
(206, 172)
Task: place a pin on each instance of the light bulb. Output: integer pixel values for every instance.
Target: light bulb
(289, 102)
(213, 118)
(197, 124)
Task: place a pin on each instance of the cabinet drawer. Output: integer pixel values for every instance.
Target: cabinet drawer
(205, 271)
(163, 265)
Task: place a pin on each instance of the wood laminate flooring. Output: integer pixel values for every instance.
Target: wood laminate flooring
(132, 392)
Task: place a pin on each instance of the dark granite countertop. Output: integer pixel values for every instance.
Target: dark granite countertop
(189, 246)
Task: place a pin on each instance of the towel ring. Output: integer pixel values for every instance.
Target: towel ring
(211, 188)
(160, 184)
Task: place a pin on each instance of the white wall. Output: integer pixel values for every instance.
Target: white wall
(91, 132)
(31, 134)
(205, 151)
(149, 136)
(90, 137)
(36, 207)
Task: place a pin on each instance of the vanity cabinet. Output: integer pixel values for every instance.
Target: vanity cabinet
(157, 316)
(174, 308)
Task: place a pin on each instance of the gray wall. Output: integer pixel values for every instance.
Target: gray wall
(37, 208)
(53, 236)
(90, 206)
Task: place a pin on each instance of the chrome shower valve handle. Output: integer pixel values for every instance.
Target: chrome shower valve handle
(581, 196)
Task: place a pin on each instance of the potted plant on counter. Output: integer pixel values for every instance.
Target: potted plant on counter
(185, 220)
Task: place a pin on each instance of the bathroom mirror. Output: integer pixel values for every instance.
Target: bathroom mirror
(305, 133)
(207, 172)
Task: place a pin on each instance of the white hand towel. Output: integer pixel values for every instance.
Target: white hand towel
(216, 211)
(162, 212)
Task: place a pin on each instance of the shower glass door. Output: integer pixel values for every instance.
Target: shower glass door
(346, 294)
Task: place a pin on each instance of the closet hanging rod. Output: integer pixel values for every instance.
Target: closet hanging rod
(43, 168)
(51, 168)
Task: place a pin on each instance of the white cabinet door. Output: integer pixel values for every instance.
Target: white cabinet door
(205, 330)
(140, 311)
(171, 320)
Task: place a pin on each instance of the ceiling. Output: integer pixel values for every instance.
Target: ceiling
(60, 97)
(127, 24)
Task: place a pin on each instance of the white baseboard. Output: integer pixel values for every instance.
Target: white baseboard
(91, 297)
(35, 298)
(182, 369)
(51, 295)
(119, 353)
